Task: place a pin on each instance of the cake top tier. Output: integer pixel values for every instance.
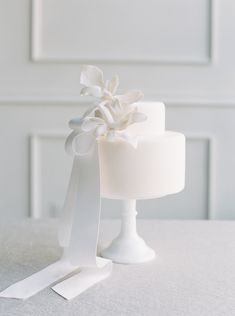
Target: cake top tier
(155, 121)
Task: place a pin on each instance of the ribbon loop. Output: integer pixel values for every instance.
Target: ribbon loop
(79, 144)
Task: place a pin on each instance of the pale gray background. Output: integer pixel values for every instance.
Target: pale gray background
(181, 52)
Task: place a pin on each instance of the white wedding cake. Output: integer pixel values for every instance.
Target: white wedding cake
(156, 167)
(123, 152)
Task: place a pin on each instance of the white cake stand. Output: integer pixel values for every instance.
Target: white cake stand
(128, 247)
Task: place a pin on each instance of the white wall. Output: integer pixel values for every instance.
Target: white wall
(181, 52)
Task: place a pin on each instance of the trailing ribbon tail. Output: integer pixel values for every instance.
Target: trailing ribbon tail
(78, 232)
(64, 232)
(81, 213)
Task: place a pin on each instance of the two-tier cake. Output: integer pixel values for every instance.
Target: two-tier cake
(137, 159)
(155, 168)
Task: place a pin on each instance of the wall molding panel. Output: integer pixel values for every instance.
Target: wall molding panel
(192, 102)
(35, 195)
(39, 52)
(210, 171)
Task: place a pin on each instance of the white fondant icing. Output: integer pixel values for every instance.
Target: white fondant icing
(155, 122)
(154, 169)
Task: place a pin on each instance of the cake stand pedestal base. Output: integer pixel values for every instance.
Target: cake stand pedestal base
(128, 247)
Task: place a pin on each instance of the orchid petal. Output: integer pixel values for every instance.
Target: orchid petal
(93, 91)
(115, 108)
(106, 115)
(91, 76)
(101, 130)
(113, 84)
(89, 111)
(90, 123)
(130, 97)
(123, 123)
(107, 94)
(131, 118)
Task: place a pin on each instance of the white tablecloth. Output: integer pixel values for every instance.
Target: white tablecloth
(193, 274)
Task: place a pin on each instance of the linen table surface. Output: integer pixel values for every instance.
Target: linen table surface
(193, 273)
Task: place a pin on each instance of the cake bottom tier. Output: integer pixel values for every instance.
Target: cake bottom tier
(154, 169)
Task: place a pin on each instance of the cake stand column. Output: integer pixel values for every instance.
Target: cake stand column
(128, 247)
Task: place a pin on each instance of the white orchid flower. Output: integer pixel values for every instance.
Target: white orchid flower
(94, 85)
(109, 117)
(117, 111)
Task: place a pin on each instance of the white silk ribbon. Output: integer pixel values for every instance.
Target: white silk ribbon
(80, 218)
(39, 280)
(80, 282)
(78, 231)
(79, 225)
